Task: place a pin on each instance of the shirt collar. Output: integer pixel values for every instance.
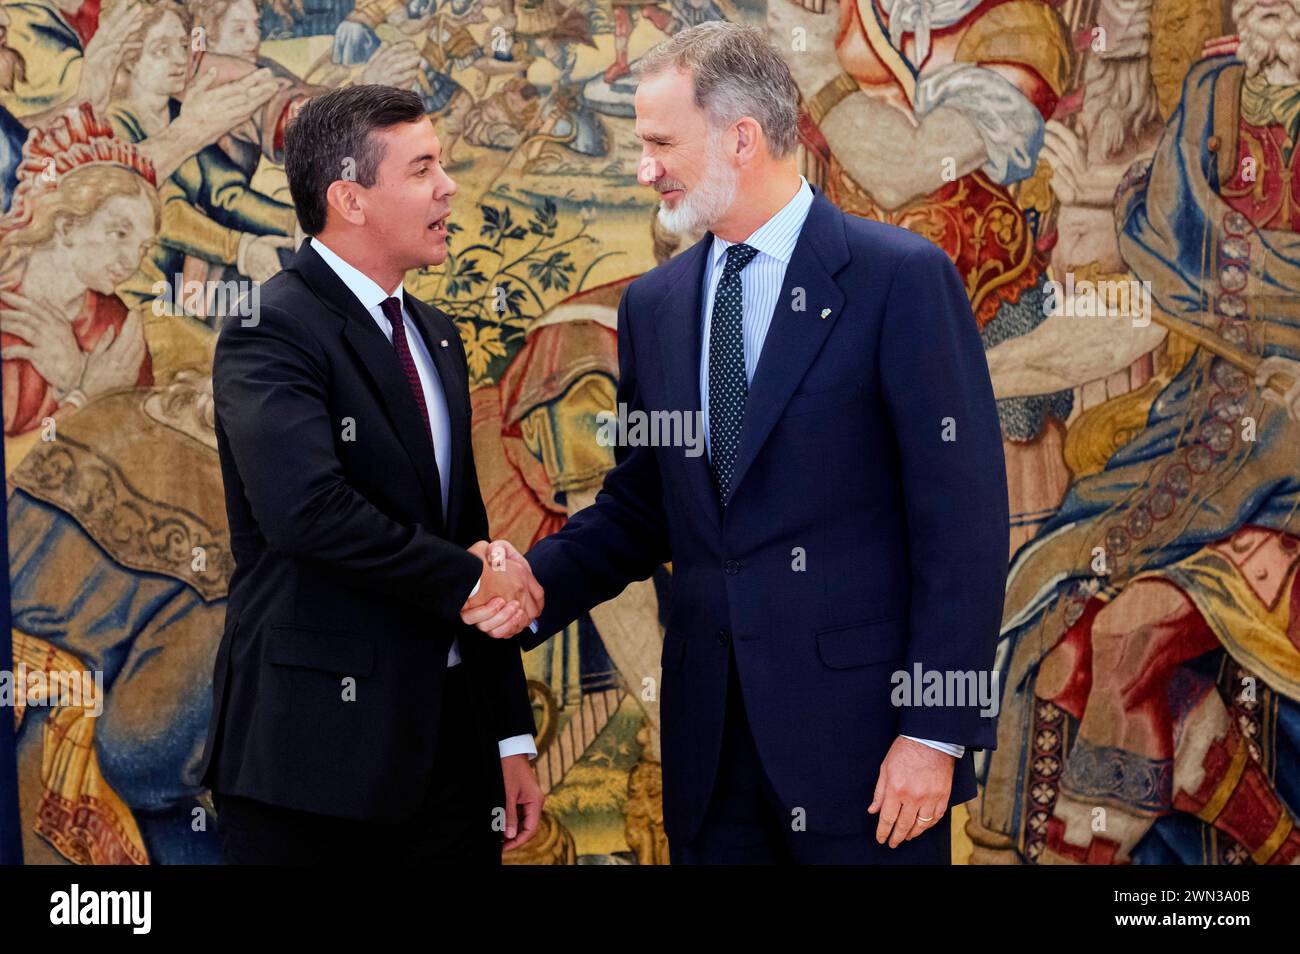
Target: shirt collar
(366, 289)
(777, 236)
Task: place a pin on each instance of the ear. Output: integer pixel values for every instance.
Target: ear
(750, 141)
(344, 198)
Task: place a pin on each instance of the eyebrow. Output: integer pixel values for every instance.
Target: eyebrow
(427, 157)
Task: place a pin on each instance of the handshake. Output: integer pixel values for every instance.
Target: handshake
(508, 598)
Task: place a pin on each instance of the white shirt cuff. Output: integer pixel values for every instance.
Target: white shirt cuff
(533, 626)
(950, 748)
(477, 584)
(518, 745)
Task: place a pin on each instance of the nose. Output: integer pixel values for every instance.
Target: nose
(649, 171)
(446, 187)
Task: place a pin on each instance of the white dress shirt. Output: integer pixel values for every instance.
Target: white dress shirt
(761, 282)
(371, 297)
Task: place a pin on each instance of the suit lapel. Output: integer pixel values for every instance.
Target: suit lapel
(378, 360)
(679, 317)
(795, 337)
(792, 343)
(455, 384)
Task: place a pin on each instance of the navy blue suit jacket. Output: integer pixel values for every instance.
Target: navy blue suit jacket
(843, 460)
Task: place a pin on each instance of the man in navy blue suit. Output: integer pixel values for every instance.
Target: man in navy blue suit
(843, 541)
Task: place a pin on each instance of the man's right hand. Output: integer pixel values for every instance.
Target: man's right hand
(508, 596)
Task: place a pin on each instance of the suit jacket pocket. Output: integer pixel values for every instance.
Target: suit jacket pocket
(805, 402)
(860, 644)
(349, 655)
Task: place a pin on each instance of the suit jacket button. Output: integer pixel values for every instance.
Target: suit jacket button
(723, 637)
(731, 567)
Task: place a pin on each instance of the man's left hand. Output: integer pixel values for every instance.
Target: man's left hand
(911, 792)
(522, 791)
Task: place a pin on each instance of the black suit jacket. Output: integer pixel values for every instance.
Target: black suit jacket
(344, 566)
(859, 540)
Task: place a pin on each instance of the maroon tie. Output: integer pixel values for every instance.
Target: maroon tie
(393, 312)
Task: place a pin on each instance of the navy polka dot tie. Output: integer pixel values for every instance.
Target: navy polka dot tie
(728, 386)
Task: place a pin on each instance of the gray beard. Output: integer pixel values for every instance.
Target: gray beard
(702, 206)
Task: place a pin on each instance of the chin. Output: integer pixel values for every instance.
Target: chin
(436, 256)
(680, 218)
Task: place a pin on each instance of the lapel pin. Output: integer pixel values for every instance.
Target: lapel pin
(825, 313)
(443, 342)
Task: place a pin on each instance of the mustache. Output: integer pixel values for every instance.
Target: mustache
(668, 185)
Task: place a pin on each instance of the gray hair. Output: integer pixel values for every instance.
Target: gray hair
(736, 72)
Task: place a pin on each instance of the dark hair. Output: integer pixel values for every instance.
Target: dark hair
(331, 136)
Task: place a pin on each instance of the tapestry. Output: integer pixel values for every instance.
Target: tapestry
(1115, 180)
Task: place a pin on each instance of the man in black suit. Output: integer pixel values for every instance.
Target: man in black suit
(356, 717)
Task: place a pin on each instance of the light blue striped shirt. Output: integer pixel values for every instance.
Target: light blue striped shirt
(760, 284)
